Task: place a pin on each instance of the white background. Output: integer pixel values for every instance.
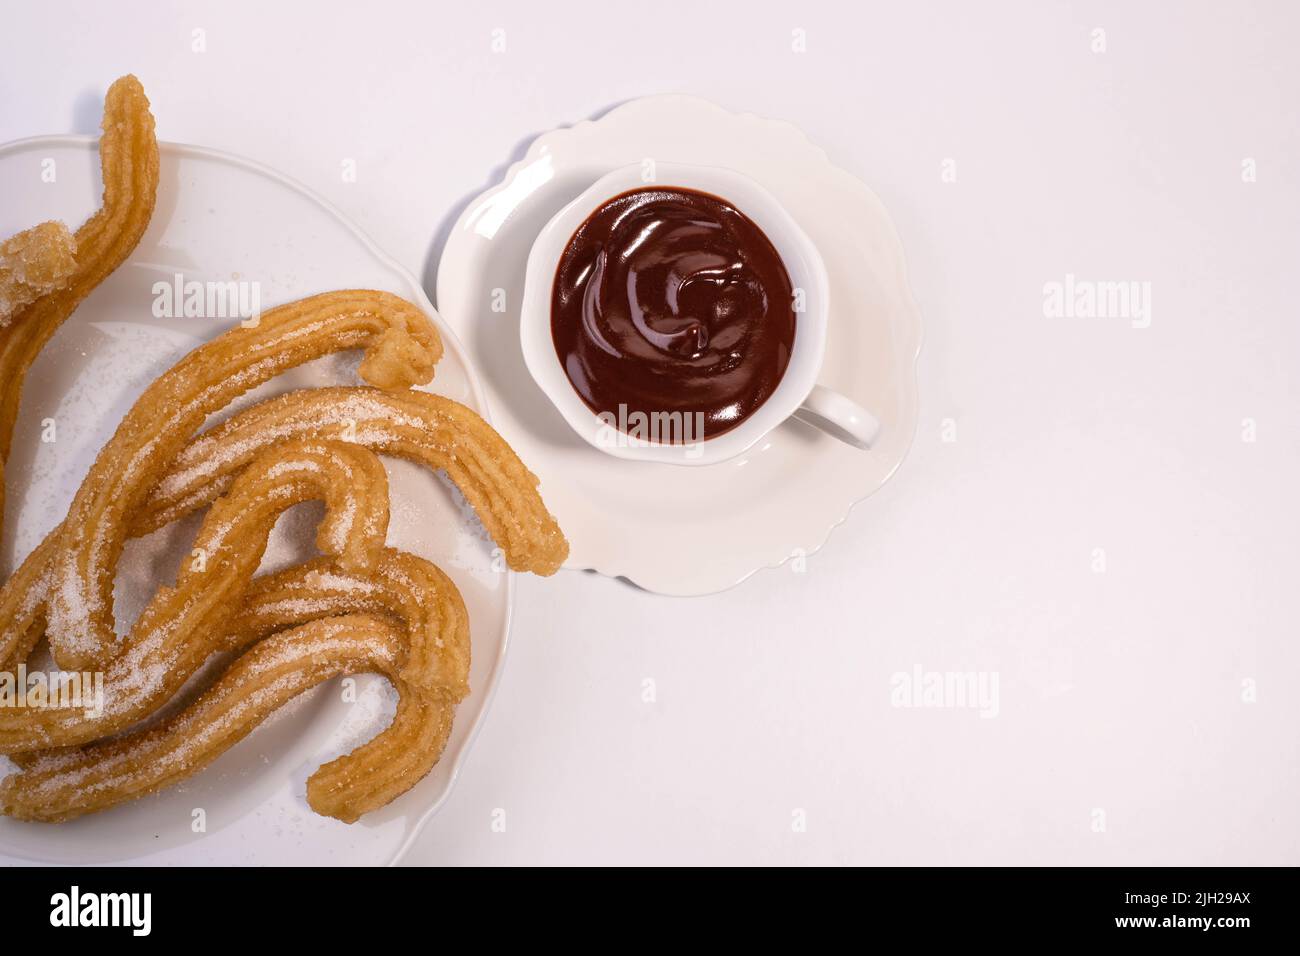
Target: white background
(1119, 691)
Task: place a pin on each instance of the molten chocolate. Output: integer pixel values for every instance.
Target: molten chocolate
(672, 300)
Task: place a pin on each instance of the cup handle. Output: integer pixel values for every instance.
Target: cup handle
(839, 416)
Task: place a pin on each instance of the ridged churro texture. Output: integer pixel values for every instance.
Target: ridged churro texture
(359, 607)
(128, 158)
(67, 784)
(75, 599)
(404, 586)
(314, 443)
(401, 586)
(183, 625)
(430, 430)
(33, 263)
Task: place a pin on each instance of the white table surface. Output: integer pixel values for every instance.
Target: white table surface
(1125, 732)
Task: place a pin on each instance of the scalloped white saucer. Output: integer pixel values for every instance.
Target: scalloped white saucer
(687, 531)
(220, 217)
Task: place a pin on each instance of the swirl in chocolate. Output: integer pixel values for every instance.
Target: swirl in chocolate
(669, 300)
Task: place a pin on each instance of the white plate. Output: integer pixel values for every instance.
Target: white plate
(220, 217)
(694, 530)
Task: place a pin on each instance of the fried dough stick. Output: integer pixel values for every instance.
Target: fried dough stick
(128, 156)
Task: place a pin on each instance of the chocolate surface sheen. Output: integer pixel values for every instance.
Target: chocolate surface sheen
(672, 300)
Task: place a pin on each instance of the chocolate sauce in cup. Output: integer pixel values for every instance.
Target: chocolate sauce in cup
(680, 319)
(670, 301)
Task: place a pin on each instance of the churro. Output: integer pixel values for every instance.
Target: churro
(128, 155)
(67, 784)
(430, 430)
(34, 263)
(360, 607)
(401, 585)
(73, 591)
(182, 625)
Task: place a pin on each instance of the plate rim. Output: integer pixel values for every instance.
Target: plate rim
(451, 342)
(911, 343)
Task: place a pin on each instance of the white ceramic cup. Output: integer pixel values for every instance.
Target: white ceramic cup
(797, 393)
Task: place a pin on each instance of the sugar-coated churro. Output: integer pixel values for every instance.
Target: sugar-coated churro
(33, 263)
(428, 429)
(75, 588)
(404, 586)
(67, 784)
(360, 607)
(182, 625)
(128, 155)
